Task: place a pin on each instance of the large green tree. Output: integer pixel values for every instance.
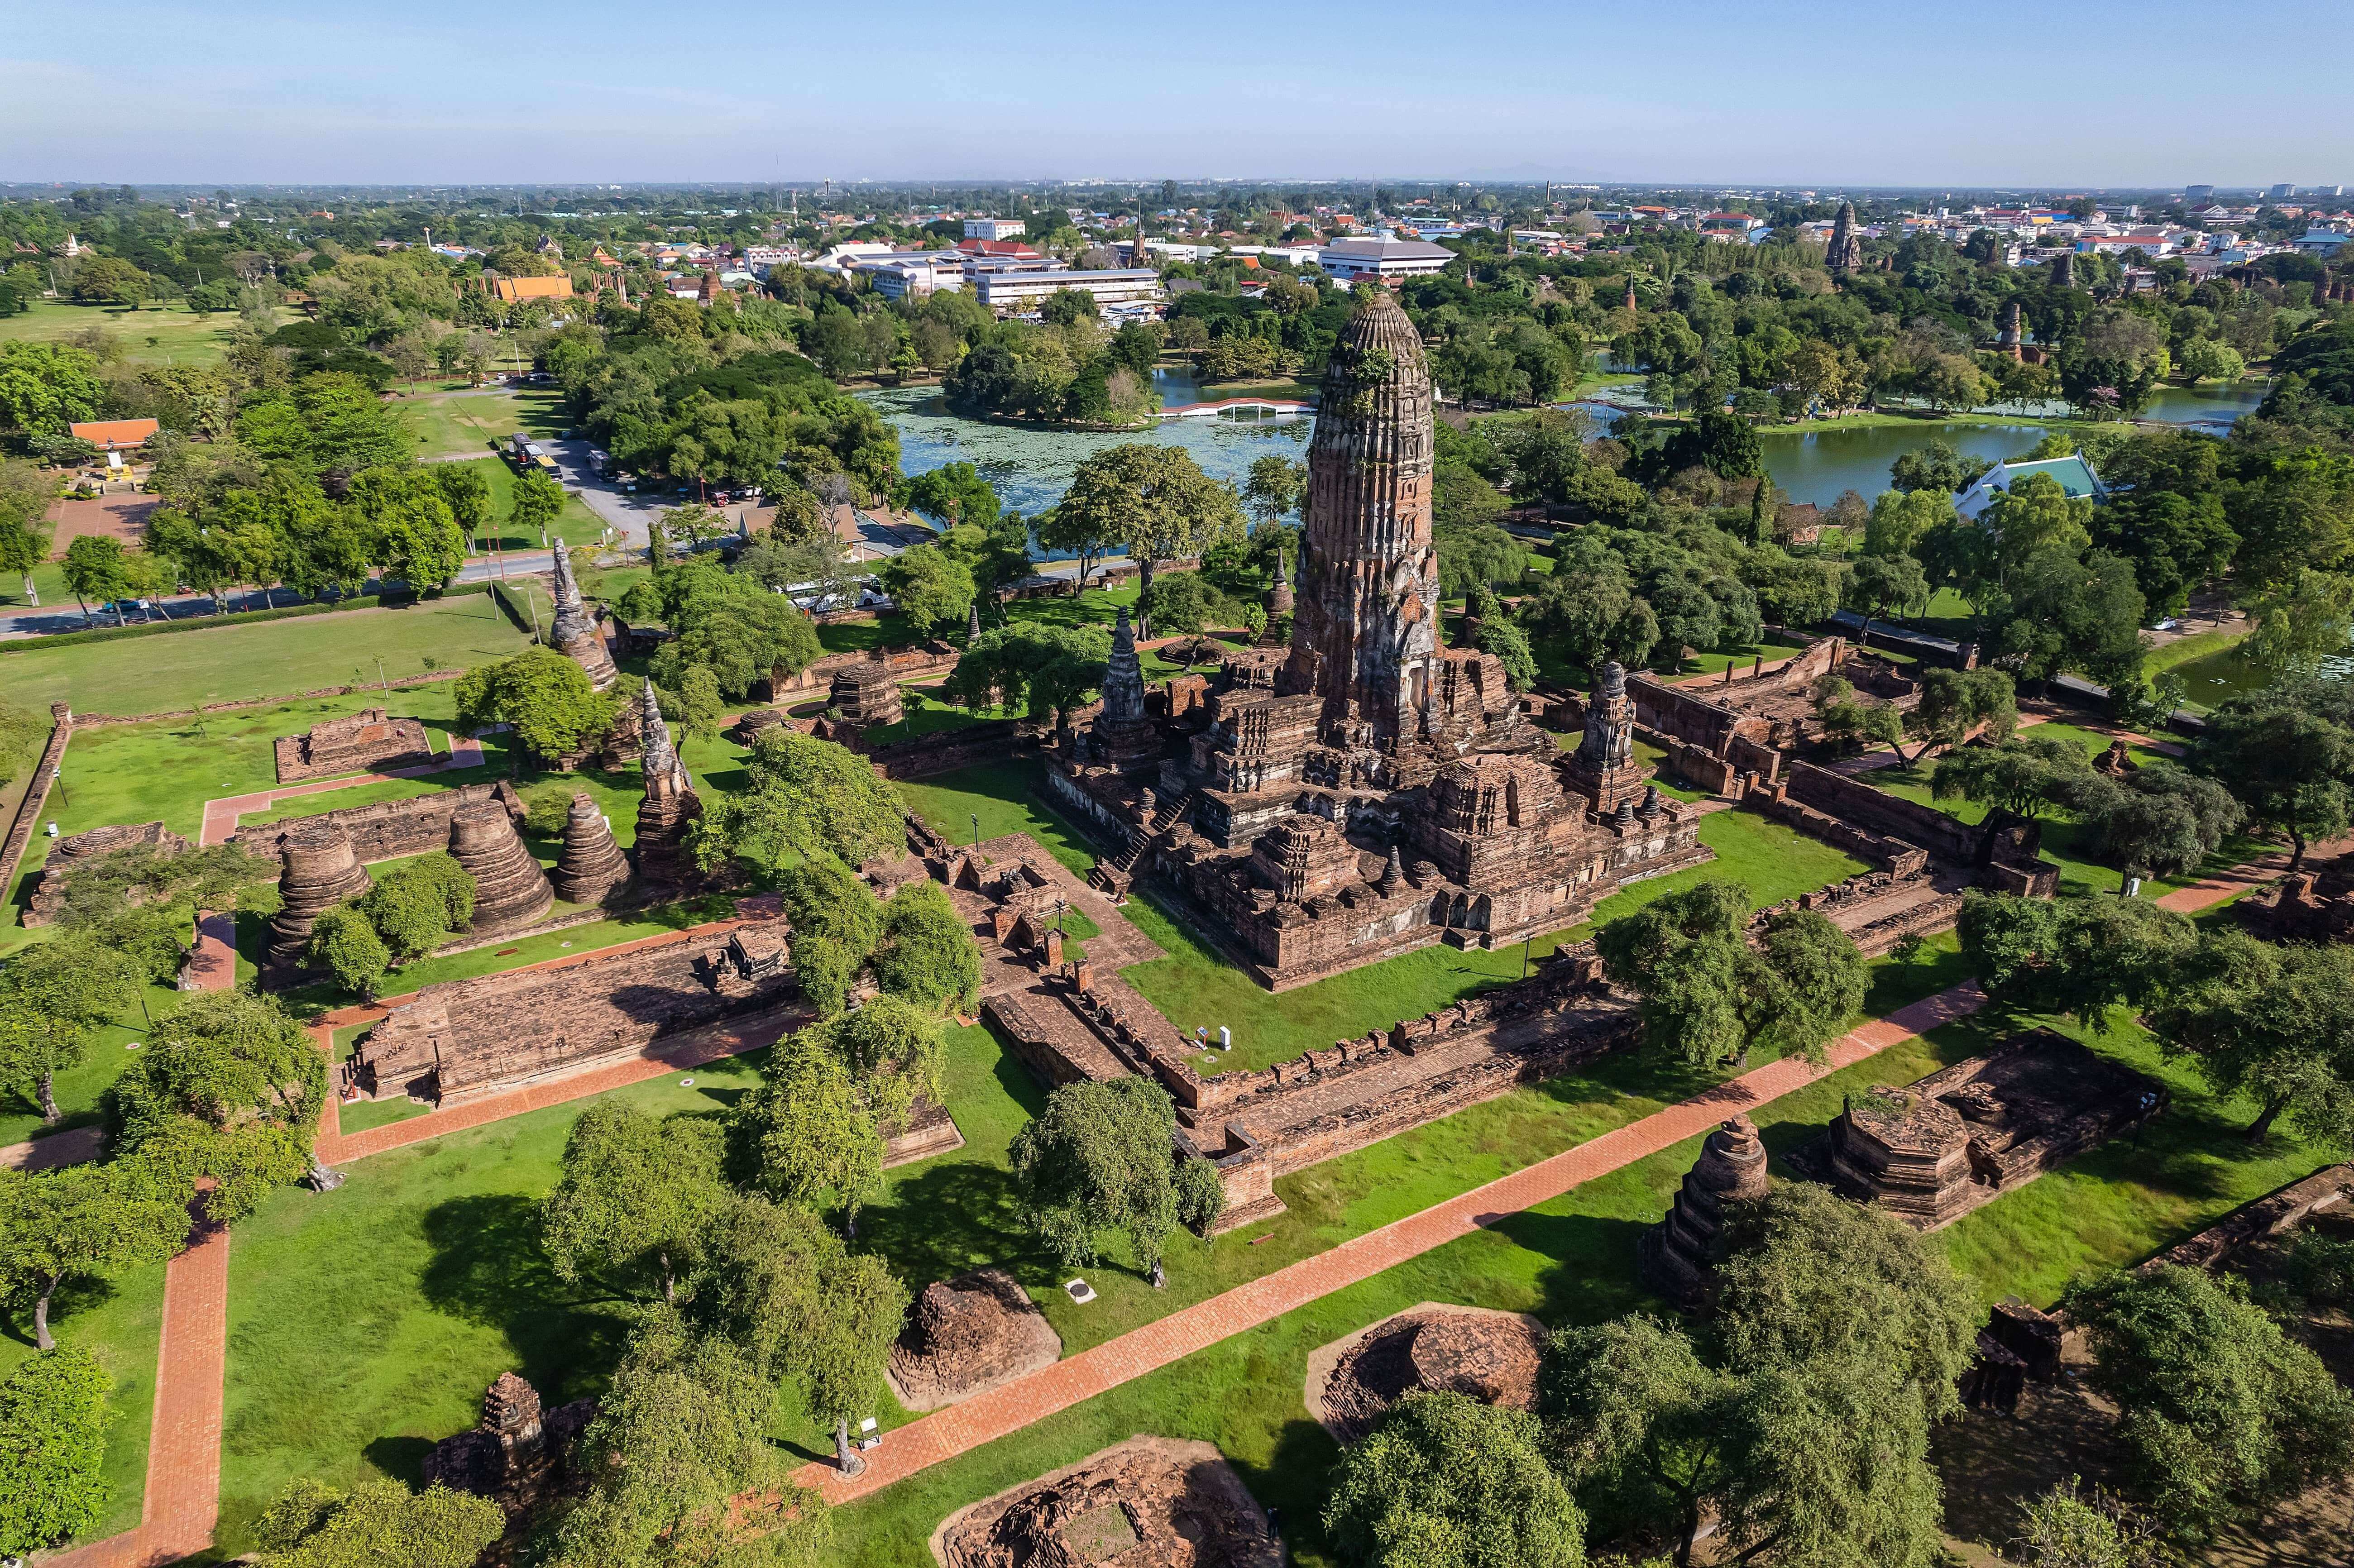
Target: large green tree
(377, 1524)
(2286, 755)
(2275, 1023)
(1710, 997)
(55, 996)
(2081, 957)
(803, 795)
(1100, 1158)
(681, 1432)
(2222, 1414)
(546, 698)
(636, 1203)
(1155, 500)
(227, 1087)
(1804, 1429)
(1444, 1481)
(81, 1223)
(52, 1449)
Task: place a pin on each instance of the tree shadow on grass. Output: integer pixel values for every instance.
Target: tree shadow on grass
(1593, 1278)
(954, 1216)
(402, 1458)
(72, 1298)
(488, 1268)
(1291, 1484)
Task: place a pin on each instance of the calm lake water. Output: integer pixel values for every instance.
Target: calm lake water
(1032, 467)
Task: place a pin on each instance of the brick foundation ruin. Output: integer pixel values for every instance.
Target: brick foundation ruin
(367, 742)
(865, 694)
(49, 893)
(460, 1040)
(1940, 1146)
(2314, 905)
(1155, 1502)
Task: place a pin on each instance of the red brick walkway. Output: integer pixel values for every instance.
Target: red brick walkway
(183, 1498)
(1007, 1409)
(221, 815)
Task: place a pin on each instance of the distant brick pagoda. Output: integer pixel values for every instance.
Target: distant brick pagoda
(573, 633)
(1364, 791)
(671, 806)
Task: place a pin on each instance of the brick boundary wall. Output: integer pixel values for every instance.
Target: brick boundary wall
(36, 796)
(1854, 801)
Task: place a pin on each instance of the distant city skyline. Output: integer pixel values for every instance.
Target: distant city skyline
(1710, 94)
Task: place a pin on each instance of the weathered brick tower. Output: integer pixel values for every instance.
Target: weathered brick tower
(1365, 627)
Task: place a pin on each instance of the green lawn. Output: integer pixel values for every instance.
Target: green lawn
(260, 659)
(574, 522)
(476, 420)
(155, 334)
(2065, 842)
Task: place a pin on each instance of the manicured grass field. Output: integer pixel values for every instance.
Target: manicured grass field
(473, 421)
(574, 522)
(260, 659)
(155, 334)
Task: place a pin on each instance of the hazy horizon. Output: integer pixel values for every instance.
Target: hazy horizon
(1835, 95)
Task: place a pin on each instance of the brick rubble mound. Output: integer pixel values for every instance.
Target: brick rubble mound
(1150, 1502)
(969, 1334)
(1489, 1356)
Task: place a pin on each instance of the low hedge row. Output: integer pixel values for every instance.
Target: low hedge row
(242, 617)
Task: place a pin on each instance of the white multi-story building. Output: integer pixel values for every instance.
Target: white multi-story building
(1010, 294)
(994, 228)
(1384, 261)
(913, 274)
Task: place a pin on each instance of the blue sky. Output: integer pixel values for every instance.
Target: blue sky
(2093, 93)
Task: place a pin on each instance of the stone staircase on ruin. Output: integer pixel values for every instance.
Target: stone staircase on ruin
(1112, 875)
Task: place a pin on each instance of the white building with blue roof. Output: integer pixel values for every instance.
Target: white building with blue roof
(2074, 474)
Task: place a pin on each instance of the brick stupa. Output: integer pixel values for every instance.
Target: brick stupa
(319, 871)
(1679, 1255)
(510, 889)
(671, 806)
(573, 633)
(591, 865)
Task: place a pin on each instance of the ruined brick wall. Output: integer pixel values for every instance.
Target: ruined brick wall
(1854, 801)
(462, 1039)
(1890, 854)
(945, 751)
(1677, 714)
(922, 661)
(366, 741)
(390, 830)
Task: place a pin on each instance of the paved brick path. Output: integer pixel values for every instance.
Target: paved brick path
(221, 815)
(1011, 1406)
(183, 1498)
(2214, 890)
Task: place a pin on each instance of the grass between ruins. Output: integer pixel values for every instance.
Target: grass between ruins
(2067, 843)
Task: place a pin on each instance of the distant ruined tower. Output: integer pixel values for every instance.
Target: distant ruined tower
(2063, 269)
(1365, 634)
(1846, 252)
(574, 631)
(2009, 340)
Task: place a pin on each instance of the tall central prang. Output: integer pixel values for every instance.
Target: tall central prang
(1366, 630)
